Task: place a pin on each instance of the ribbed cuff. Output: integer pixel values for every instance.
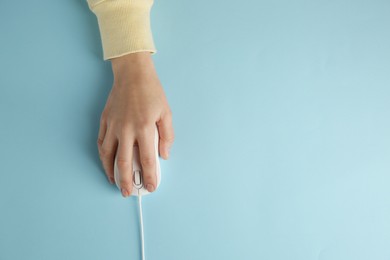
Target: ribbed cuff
(124, 26)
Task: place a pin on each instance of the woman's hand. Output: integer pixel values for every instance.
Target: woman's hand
(135, 106)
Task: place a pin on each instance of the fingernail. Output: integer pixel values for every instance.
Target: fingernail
(150, 187)
(111, 181)
(125, 193)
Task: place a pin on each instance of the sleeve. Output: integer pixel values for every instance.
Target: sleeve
(124, 26)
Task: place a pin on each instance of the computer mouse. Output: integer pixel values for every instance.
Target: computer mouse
(139, 188)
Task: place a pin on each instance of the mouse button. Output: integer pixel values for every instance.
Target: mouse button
(137, 178)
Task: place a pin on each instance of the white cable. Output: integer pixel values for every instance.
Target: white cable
(141, 225)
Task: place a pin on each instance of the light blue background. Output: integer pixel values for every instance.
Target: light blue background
(281, 113)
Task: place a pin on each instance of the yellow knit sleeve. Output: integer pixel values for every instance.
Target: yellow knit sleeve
(124, 26)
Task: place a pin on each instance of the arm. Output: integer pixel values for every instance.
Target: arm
(137, 102)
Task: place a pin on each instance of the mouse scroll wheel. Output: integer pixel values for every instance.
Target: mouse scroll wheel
(137, 178)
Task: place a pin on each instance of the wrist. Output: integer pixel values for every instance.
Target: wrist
(137, 59)
(132, 66)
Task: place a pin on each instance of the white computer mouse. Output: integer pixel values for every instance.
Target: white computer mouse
(138, 184)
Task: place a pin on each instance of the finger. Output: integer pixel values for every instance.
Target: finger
(100, 139)
(125, 165)
(148, 159)
(166, 133)
(107, 153)
(102, 131)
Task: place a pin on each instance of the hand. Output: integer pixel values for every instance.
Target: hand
(136, 104)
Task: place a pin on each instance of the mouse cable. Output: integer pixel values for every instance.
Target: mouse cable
(141, 225)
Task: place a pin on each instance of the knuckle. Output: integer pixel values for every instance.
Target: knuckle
(170, 139)
(104, 153)
(126, 126)
(125, 130)
(148, 178)
(123, 163)
(144, 125)
(126, 183)
(147, 161)
(99, 141)
(109, 176)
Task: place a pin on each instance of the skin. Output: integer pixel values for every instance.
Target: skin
(136, 104)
